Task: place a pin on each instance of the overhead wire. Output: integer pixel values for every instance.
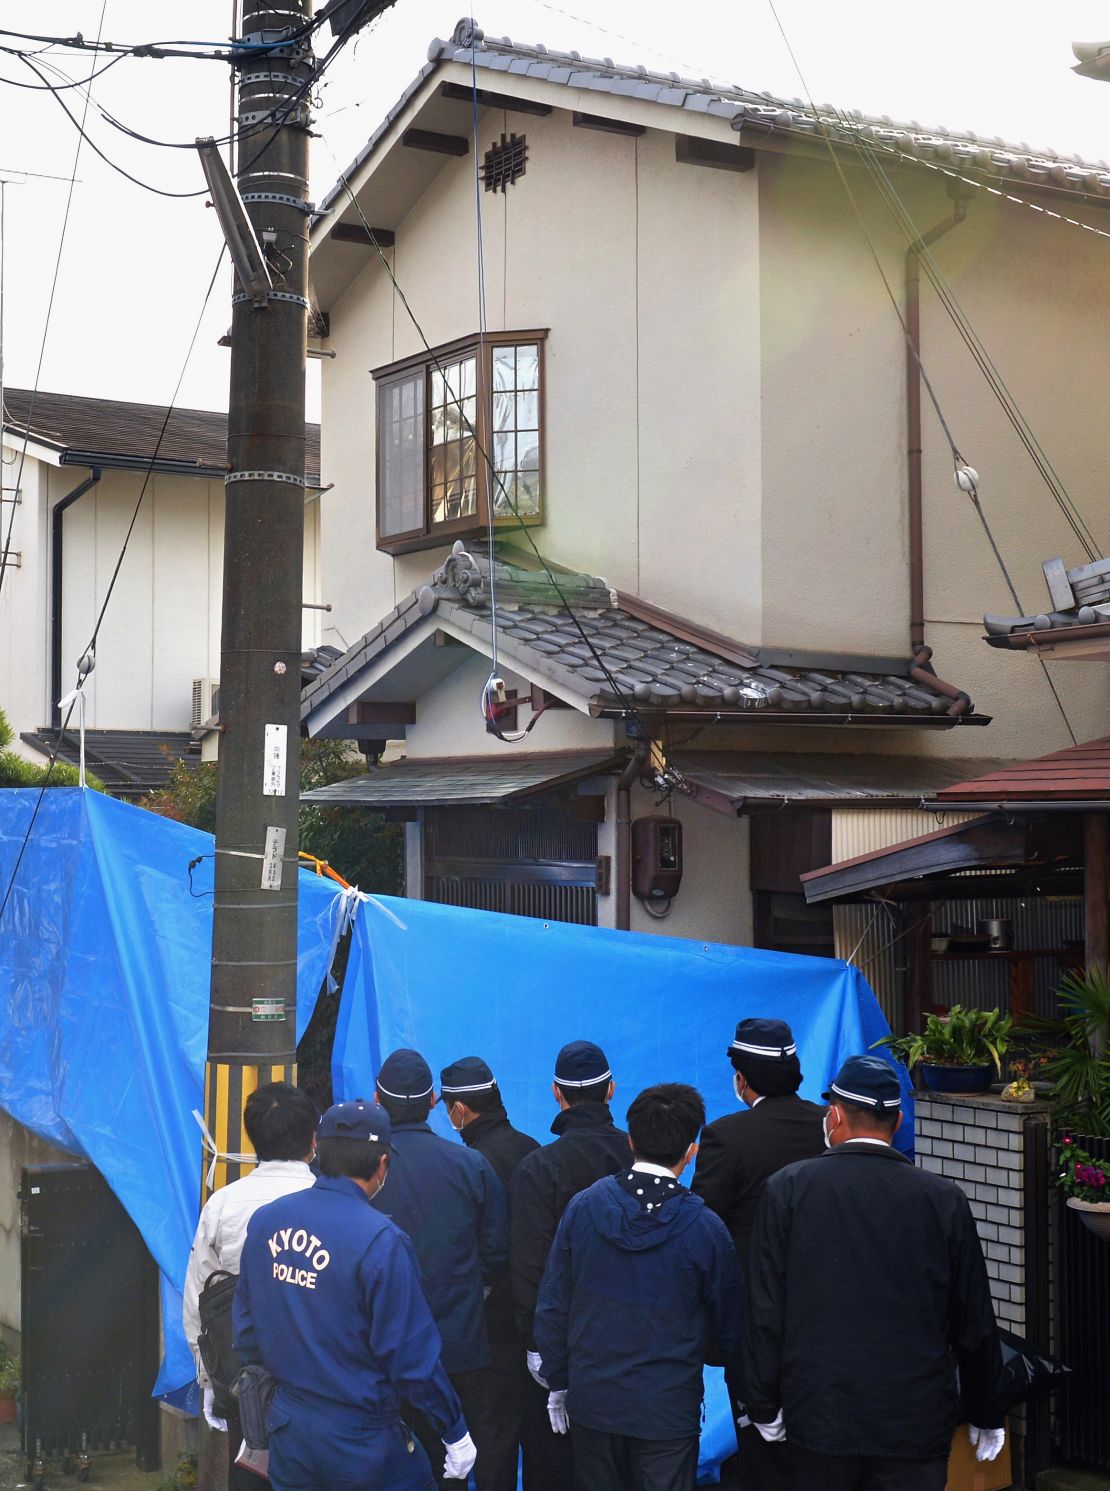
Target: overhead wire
(895, 204)
(5, 554)
(89, 652)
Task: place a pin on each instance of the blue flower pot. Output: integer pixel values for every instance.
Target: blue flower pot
(957, 1078)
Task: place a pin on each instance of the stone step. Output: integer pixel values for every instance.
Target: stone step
(1069, 1478)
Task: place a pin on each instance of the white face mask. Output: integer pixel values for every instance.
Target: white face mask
(738, 1088)
(825, 1129)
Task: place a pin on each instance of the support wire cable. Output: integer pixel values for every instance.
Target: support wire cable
(6, 552)
(84, 666)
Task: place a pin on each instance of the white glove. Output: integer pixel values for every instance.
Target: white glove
(987, 1443)
(557, 1410)
(534, 1365)
(210, 1411)
(775, 1431)
(460, 1459)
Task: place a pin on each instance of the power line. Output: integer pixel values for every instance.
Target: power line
(45, 332)
(90, 650)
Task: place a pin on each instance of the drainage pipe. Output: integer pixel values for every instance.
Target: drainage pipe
(633, 767)
(56, 571)
(913, 415)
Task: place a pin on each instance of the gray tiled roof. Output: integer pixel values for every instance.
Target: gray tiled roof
(130, 763)
(621, 655)
(461, 779)
(1080, 599)
(497, 59)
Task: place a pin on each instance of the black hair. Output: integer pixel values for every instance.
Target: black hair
(664, 1121)
(280, 1121)
(595, 1092)
(344, 1155)
(863, 1116)
(486, 1100)
(771, 1078)
(406, 1110)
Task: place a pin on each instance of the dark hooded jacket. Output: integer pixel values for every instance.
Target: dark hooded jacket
(633, 1291)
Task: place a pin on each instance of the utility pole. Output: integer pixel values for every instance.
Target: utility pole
(252, 1012)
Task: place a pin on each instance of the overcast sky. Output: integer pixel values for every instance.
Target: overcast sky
(135, 266)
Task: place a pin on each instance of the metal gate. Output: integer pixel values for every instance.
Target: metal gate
(535, 861)
(1083, 1304)
(89, 1329)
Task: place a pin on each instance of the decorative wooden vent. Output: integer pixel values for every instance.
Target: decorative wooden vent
(503, 163)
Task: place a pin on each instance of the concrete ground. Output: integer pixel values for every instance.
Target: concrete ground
(1064, 1478)
(117, 1472)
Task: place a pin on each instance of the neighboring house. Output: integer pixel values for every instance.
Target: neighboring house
(158, 653)
(695, 393)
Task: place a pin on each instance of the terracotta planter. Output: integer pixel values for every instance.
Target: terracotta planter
(7, 1409)
(1095, 1216)
(956, 1078)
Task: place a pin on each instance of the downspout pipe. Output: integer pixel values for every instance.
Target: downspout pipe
(913, 415)
(57, 567)
(633, 768)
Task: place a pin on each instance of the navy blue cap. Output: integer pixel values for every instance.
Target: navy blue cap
(357, 1119)
(767, 1040)
(405, 1074)
(581, 1064)
(869, 1081)
(468, 1074)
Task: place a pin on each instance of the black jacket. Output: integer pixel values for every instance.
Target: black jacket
(867, 1291)
(495, 1139)
(589, 1146)
(455, 1210)
(739, 1152)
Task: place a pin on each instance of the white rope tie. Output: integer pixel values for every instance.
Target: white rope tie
(77, 696)
(213, 1149)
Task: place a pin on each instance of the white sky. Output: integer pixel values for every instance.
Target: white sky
(135, 266)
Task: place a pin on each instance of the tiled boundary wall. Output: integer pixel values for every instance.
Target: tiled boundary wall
(998, 1153)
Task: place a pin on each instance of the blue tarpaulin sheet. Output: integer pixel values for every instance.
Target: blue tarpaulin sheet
(453, 982)
(105, 953)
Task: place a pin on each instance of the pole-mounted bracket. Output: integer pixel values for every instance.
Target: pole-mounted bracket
(281, 295)
(284, 476)
(308, 208)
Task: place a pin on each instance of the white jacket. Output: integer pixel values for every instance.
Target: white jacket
(223, 1227)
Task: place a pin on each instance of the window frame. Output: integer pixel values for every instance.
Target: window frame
(431, 535)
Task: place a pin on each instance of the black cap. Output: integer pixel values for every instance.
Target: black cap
(357, 1119)
(581, 1064)
(468, 1074)
(405, 1074)
(767, 1040)
(869, 1081)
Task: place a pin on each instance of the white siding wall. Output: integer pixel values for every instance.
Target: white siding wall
(23, 598)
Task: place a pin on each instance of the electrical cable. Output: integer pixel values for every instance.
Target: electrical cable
(90, 650)
(4, 554)
(628, 709)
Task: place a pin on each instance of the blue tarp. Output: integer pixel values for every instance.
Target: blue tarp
(454, 982)
(104, 968)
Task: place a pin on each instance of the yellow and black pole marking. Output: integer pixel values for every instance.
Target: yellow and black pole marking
(227, 1086)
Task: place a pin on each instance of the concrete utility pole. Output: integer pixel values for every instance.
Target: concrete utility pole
(252, 1016)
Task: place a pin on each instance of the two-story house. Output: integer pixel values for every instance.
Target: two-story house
(73, 470)
(678, 398)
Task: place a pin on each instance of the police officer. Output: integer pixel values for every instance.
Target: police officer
(330, 1302)
(455, 1210)
(867, 1294)
(474, 1107)
(587, 1147)
(738, 1152)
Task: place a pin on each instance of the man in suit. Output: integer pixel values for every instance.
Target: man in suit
(738, 1154)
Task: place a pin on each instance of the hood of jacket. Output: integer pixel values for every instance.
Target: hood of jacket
(622, 1221)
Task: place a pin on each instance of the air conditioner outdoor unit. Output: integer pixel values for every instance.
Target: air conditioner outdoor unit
(206, 700)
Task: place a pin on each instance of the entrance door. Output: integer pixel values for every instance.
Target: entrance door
(534, 861)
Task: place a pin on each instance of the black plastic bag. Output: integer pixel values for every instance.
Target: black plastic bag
(1026, 1372)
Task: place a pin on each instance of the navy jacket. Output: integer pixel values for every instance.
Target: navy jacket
(588, 1146)
(456, 1212)
(329, 1301)
(629, 1301)
(495, 1139)
(867, 1291)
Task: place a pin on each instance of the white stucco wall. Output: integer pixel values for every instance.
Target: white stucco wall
(23, 596)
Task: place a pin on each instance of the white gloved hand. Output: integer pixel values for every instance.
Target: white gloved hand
(987, 1443)
(557, 1410)
(460, 1459)
(210, 1411)
(534, 1365)
(775, 1431)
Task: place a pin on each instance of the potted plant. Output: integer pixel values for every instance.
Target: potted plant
(1085, 1182)
(9, 1385)
(958, 1052)
(1079, 1067)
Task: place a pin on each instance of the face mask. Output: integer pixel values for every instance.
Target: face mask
(825, 1129)
(738, 1088)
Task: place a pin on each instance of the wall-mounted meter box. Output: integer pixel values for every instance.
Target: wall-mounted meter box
(656, 858)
